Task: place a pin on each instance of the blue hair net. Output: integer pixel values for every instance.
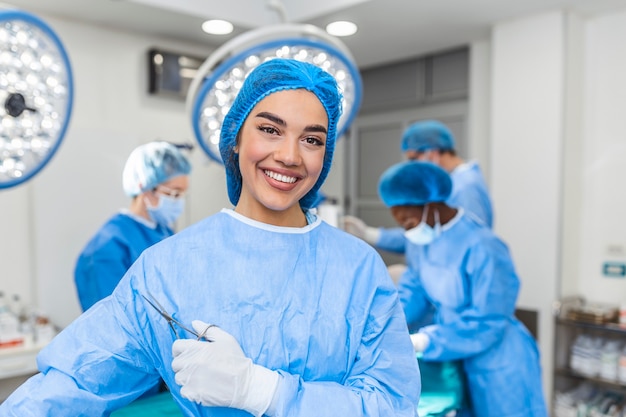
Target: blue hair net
(267, 78)
(152, 164)
(425, 135)
(414, 183)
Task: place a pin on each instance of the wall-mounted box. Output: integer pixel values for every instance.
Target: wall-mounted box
(170, 73)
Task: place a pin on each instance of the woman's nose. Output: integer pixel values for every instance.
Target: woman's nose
(288, 152)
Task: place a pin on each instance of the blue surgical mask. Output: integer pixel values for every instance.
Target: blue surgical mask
(423, 233)
(167, 211)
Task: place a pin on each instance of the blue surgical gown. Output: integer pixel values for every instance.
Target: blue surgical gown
(314, 303)
(469, 191)
(468, 275)
(109, 253)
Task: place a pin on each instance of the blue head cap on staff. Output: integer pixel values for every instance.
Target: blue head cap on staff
(426, 135)
(152, 164)
(414, 183)
(269, 77)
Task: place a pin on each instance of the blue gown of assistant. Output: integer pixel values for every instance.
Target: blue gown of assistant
(110, 252)
(469, 191)
(314, 303)
(468, 276)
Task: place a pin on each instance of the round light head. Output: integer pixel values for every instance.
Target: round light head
(219, 84)
(36, 93)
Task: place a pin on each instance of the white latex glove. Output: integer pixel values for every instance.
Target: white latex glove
(217, 373)
(420, 342)
(358, 228)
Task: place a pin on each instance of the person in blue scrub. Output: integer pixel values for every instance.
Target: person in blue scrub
(457, 265)
(155, 177)
(293, 317)
(432, 141)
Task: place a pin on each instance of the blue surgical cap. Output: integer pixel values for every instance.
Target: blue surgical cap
(152, 164)
(269, 77)
(414, 183)
(425, 135)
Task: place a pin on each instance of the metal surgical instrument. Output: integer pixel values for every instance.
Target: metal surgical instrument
(171, 321)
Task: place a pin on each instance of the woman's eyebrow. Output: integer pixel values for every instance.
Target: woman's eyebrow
(315, 128)
(272, 117)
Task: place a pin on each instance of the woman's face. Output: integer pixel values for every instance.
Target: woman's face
(281, 154)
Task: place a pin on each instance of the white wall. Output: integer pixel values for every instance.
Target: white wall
(16, 250)
(479, 117)
(49, 219)
(603, 170)
(527, 113)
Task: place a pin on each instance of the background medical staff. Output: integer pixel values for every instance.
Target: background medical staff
(431, 140)
(156, 177)
(302, 317)
(457, 265)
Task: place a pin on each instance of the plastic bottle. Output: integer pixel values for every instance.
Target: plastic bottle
(609, 360)
(621, 370)
(25, 318)
(622, 315)
(19, 308)
(10, 334)
(44, 329)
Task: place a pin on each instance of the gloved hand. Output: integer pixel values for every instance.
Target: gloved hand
(217, 373)
(358, 228)
(420, 342)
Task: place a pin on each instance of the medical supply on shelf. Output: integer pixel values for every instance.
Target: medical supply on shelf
(621, 369)
(609, 359)
(597, 313)
(20, 325)
(10, 334)
(585, 355)
(622, 315)
(587, 400)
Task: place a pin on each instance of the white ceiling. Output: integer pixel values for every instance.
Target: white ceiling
(389, 30)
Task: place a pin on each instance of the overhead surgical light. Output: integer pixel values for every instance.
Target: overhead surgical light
(219, 78)
(36, 93)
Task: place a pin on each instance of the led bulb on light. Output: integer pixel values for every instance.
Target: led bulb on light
(35, 95)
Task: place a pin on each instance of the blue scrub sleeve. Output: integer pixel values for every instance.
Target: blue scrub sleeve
(493, 286)
(94, 366)
(474, 201)
(417, 306)
(470, 192)
(378, 381)
(392, 240)
(98, 274)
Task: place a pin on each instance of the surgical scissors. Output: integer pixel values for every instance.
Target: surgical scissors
(171, 321)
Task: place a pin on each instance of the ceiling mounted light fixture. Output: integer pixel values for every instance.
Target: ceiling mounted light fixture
(341, 28)
(36, 93)
(217, 27)
(219, 78)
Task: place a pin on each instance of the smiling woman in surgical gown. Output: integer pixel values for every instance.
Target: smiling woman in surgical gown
(309, 320)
